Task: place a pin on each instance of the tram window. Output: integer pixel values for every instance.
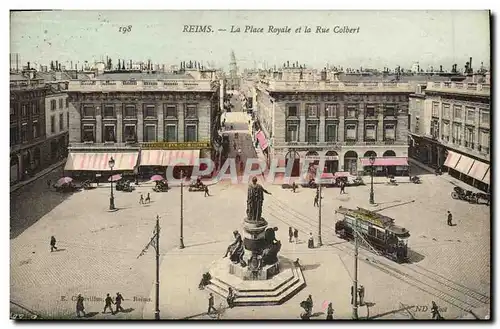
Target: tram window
(372, 231)
(380, 235)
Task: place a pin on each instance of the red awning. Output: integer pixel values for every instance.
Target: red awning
(152, 157)
(452, 159)
(478, 170)
(327, 175)
(342, 174)
(385, 162)
(99, 161)
(181, 158)
(262, 139)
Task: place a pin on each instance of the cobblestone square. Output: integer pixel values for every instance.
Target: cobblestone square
(98, 251)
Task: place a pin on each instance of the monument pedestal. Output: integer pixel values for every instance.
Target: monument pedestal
(250, 292)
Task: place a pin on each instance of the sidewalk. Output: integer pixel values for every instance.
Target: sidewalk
(38, 175)
(445, 176)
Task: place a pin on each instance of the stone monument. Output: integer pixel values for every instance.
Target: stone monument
(254, 271)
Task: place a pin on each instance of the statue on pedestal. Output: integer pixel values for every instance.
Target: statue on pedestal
(255, 200)
(236, 250)
(273, 246)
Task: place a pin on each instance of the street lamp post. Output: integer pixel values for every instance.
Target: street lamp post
(372, 162)
(181, 246)
(111, 164)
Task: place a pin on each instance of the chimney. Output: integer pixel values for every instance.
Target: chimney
(287, 63)
(59, 68)
(57, 65)
(470, 64)
(130, 64)
(28, 65)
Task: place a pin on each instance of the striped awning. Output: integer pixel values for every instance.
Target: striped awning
(386, 161)
(152, 157)
(100, 161)
(478, 170)
(262, 139)
(464, 164)
(486, 178)
(181, 158)
(452, 159)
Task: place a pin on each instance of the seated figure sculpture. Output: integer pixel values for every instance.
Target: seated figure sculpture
(236, 250)
(273, 246)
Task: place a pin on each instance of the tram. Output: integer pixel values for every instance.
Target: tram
(376, 229)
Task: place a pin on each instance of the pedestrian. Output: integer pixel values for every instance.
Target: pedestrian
(342, 187)
(148, 198)
(450, 218)
(316, 199)
(211, 303)
(329, 312)
(310, 243)
(48, 183)
(435, 311)
(290, 234)
(141, 200)
(119, 299)
(79, 306)
(296, 235)
(52, 244)
(310, 303)
(206, 191)
(352, 295)
(108, 302)
(294, 187)
(361, 293)
(234, 146)
(230, 298)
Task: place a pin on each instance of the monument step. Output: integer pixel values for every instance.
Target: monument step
(259, 289)
(256, 298)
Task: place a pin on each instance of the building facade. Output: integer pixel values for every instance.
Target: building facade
(145, 123)
(450, 128)
(342, 121)
(29, 151)
(57, 120)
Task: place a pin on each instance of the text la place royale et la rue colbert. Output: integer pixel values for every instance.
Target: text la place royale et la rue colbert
(252, 29)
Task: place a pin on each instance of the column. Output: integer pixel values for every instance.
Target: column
(303, 123)
(380, 123)
(322, 123)
(140, 122)
(180, 125)
(341, 129)
(98, 125)
(119, 122)
(161, 122)
(361, 123)
(476, 128)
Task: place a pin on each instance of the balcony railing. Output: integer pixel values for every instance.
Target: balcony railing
(278, 85)
(460, 87)
(139, 85)
(27, 84)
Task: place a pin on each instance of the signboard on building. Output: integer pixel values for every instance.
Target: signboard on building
(318, 157)
(177, 145)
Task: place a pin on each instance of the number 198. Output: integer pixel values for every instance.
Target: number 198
(125, 29)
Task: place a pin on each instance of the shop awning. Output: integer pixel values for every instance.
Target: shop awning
(152, 157)
(327, 175)
(99, 161)
(464, 164)
(452, 159)
(403, 161)
(486, 178)
(478, 170)
(342, 174)
(262, 139)
(181, 158)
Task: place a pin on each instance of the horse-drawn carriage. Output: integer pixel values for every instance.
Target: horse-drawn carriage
(197, 186)
(124, 185)
(161, 186)
(469, 196)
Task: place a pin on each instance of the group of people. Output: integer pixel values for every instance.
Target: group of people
(361, 295)
(80, 308)
(144, 201)
(307, 305)
(293, 235)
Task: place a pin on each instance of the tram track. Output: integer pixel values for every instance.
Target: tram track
(435, 284)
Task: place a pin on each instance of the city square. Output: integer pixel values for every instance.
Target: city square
(151, 185)
(451, 263)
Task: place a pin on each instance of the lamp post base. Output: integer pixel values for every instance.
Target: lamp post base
(181, 246)
(157, 315)
(112, 204)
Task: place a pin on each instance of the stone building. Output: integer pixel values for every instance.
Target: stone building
(29, 151)
(450, 128)
(342, 121)
(125, 115)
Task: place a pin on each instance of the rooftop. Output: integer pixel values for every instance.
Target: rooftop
(459, 88)
(125, 76)
(325, 86)
(95, 85)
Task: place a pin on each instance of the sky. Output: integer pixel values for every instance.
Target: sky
(384, 38)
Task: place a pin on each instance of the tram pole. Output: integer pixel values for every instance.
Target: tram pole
(320, 243)
(157, 284)
(354, 288)
(181, 245)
